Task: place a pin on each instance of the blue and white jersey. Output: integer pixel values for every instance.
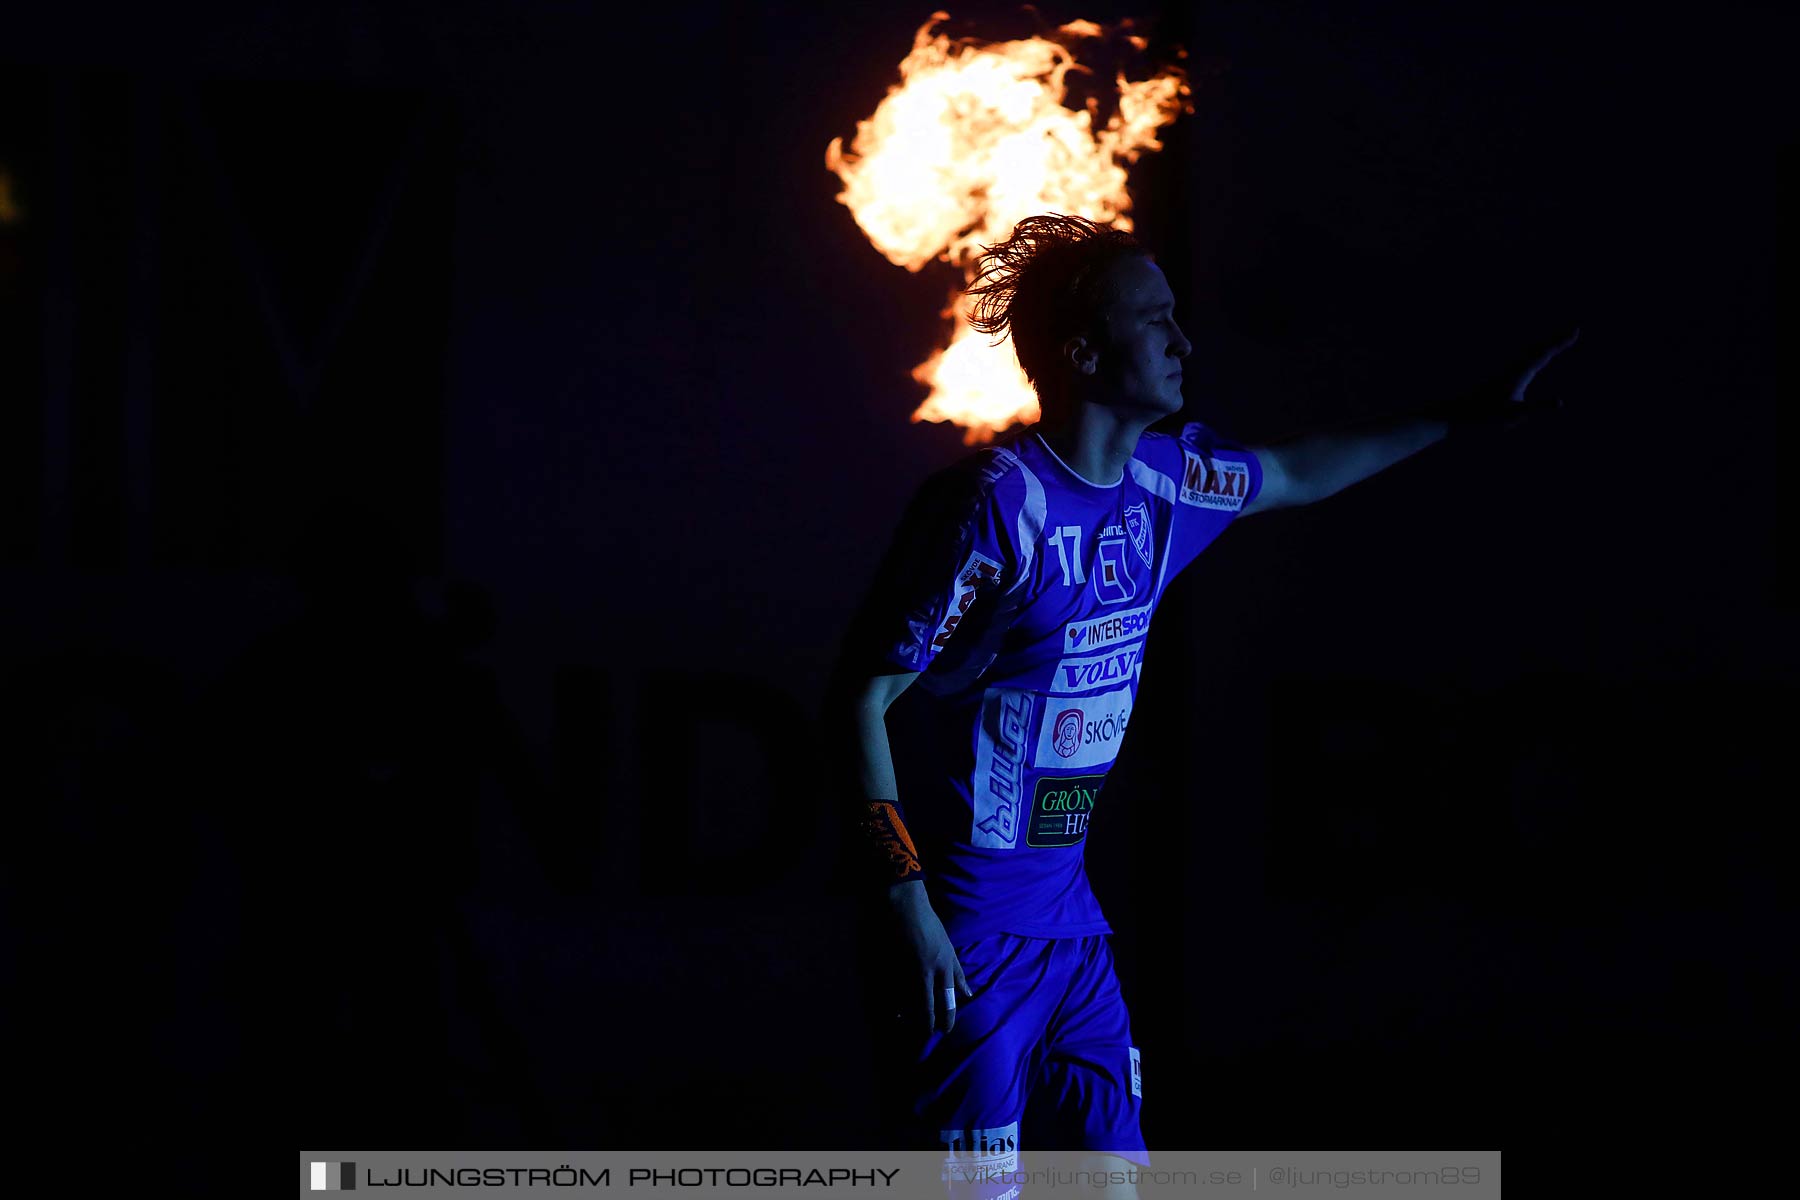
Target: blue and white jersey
(1023, 593)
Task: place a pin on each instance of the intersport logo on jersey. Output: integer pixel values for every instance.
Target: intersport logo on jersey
(1083, 732)
(1214, 483)
(1086, 674)
(1096, 632)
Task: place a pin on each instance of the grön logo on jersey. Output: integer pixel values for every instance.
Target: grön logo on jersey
(1060, 809)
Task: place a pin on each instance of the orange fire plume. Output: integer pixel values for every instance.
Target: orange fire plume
(973, 139)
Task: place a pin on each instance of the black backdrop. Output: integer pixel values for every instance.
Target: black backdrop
(443, 443)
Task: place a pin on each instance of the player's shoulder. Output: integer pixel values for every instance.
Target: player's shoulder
(1166, 451)
(982, 487)
(991, 472)
(1202, 440)
(1197, 435)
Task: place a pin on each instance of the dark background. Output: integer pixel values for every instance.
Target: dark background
(443, 443)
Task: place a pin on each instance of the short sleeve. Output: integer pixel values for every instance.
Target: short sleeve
(1214, 479)
(954, 552)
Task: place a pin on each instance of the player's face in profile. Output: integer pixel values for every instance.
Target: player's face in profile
(1141, 360)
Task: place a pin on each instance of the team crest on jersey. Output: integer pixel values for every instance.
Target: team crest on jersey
(1113, 583)
(1214, 483)
(1137, 522)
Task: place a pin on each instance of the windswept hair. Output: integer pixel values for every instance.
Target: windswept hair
(1038, 285)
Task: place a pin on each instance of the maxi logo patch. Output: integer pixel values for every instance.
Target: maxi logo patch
(1137, 523)
(1060, 809)
(1086, 674)
(1214, 483)
(976, 574)
(1083, 731)
(1095, 633)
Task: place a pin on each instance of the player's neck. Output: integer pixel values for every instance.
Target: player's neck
(1095, 442)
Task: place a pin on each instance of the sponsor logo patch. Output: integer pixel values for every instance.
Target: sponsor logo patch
(1137, 1074)
(1137, 523)
(1214, 483)
(1095, 670)
(1061, 808)
(1002, 1142)
(1000, 768)
(1085, 731)
(1098, 632)
(977, 573)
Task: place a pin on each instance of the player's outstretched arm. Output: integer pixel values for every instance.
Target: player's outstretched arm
(1310, 467)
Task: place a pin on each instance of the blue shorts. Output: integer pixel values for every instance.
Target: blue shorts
(1041, 1054)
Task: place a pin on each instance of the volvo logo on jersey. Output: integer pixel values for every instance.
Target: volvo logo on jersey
(1087, 673)
(1060, 809)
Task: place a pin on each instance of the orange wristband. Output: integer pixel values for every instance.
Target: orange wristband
(885, 834)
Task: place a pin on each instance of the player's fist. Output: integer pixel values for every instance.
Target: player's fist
(1504, 401)
(1521, 379)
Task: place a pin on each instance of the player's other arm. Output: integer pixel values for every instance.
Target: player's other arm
(1310, 467)
(857, 728)
(864, 705)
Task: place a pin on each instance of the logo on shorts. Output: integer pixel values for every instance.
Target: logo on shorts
(1002, 1142)
(1137, 522)
(1214, 482)
(1137, 1074)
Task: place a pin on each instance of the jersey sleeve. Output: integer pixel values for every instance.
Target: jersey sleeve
(955, 551)
(1215, 478)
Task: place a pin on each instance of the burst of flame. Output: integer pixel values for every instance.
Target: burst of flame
(973, 139)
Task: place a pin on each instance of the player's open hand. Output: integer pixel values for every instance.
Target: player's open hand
(936, 975)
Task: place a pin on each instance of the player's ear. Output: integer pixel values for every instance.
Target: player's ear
(1078, 353)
